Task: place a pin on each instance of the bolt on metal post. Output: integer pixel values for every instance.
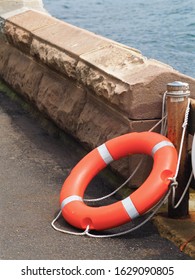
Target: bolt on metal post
(177, 100)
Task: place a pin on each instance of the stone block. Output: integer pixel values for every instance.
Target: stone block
(117, 61)
(61, 100)
(147, 88)
(109, 89)
(90, 86)
(54, 58)
(18, 37)
(17, 71)
(118, 75)
(73, 40)
(4, 56)
(18, 28)
(31, 20)
(98, 122)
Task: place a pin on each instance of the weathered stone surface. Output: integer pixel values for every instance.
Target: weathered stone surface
(108, 88)
(56, 96)
(18, 28)
(147, 88)
(74, 40)
(92, 87)
(18, 37)
(31, 20)
(17, 70)
(115, 60)
(2, 35)
(4, 55)
(118, 75)
(61, 100)
(54, 58)
(98, 122)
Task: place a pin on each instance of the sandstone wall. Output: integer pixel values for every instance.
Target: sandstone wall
(90, 86)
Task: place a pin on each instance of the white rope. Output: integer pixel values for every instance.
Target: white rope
(159, 122)
(86, 232)
(130, 177)
(120, 187)
(184, 126)
(173, 185)
(183, 194)
(157, 207)
(66, 231)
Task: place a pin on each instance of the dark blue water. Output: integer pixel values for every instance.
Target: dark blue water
(160, 29)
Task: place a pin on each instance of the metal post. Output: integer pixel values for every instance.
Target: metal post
(177, 100)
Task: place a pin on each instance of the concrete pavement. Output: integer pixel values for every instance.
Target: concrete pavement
(34, 164)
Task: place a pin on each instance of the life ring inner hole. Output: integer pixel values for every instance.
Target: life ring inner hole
(107, 180)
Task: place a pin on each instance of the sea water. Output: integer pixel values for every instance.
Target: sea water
(160, 29)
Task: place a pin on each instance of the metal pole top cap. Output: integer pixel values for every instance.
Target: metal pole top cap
(178, 86)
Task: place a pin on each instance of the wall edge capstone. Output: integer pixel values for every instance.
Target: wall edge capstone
(92, 98)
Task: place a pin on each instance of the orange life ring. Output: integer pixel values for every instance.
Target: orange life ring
(80, 215)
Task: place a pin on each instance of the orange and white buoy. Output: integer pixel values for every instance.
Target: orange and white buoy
(80, 215)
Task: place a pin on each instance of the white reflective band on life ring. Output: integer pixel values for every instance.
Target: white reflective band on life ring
(70, 199)
(161, 145)
(193, 156)
(105, 154)
(130, 208)
(77, 213)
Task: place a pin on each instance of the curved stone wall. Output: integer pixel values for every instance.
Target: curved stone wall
(90, 86)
